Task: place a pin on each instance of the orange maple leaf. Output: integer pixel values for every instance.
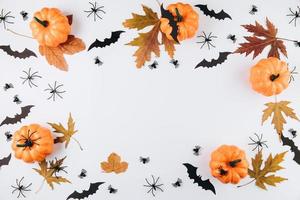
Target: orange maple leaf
(114, 164)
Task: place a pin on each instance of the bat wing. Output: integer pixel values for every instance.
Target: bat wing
(167, 14)
(214, 62)
(205, 184)
(107, 41)
(24, 54)
(288, 142)
(5, 160)
(86, 193)
(221, 15)
(18, 117)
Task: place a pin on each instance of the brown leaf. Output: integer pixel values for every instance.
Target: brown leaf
(114, 164)
(70, 19)
(54, 56)
(169, 45)
(72, 45)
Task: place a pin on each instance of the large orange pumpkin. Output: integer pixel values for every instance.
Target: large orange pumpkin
(50, 27)
(187, 21)
(32, 143)
(270, 76)
(228, 164)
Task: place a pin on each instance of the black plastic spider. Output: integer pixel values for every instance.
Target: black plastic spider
(232, 38)
(98, 61)
(95, 10)
(21, 188)
(7, 86)
(175, 63)
(82, 174)
(8, 136)
(57, 167)
(112, 190)
(207, 40)
(297, 43)
(54, 91)
(295, 14)
(24, 14)
(253, 10)
(293, 72)
(178, 183)
(154, 186)
(16, 99)
(144, 160)
(4, 17)
(197, 150)
(293, 132)
(153, 65)
(30, 77)
(259, 144)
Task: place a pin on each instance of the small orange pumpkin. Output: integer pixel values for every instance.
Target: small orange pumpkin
(228, 164)
(32, 143)
(187, 21)
(50, 27)
(270, 76)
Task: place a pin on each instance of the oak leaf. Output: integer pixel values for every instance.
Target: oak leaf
(169, 45)
(262, 37)
(114, 164)
(277, 109)
(261, 175)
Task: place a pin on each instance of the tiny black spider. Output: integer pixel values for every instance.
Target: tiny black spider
(95, 10)
(154, 186)
(30, 77)
(178, 183)
(259, 144)
(17, 100)
(7, 86)
(232, 38)
(207, 40)
(112, 190)
(8, 136)
(24, 14)
(82, 174)
(297, 43)
(293, 132)
(253, 10)
(21, 188)
(197, 150)
(54, 91)
(295, 14)
(144, 160)
(293, 72)
(175, 63)
(98, 61)
(4, 17)
(153, 65)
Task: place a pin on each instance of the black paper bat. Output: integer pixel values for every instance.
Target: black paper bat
(220, 15)
(167, 14)
(5, 160)
(205, 184)
(18, 117)
(107, 41)
(288, 142)
(22, 55)
(222, 57)
(86, 193)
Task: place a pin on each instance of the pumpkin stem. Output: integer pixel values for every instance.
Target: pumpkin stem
(223, 172)
(179, 17)
(273, 77)
(234, 162)
(43, 23)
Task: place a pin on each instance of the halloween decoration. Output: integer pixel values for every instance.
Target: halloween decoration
(115, 36)
(211, 13)
(94, 187)
(214, 62)
(26, 53)
(154, 185)
(18, 117)
(5, 161)
(114, 164)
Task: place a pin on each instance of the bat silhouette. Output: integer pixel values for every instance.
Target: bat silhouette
(107, 41)
(18, 117)
(167, 14)
(220, 15)
(5, 160)
(205, 184)
(86, 193)
(22, 55)
(288, 142)
(222, 57)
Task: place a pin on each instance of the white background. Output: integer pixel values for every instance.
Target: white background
(160, 113)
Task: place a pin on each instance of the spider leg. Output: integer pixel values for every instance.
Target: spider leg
(58, 94)
(147, 181)
(211, 44)
(147, 185)
(252, 143)
(255, 148)
(159, 188)
(92, 4)
(98, 15)
(156, 181)
(202, 45)
(153, 179)
(100, 10)
(295, 21)
(292, 11)
(292, 20)
(51, 96)
(28, 186)
(21, 192)
(252, 139)
(152, 191)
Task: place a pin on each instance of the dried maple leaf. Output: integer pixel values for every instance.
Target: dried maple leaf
(48, 174)
(262, 37)
(114, 164)
(262, 176)
(67, 133)
(169, 45)
(72, 45)
(141, 21)
(277, 109)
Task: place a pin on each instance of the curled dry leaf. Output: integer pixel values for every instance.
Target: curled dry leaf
(114, 164)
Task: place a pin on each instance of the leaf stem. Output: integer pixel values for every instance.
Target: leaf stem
(78, 143)
(246, 184)
(19, 34)
(41, 187)
(279, 38)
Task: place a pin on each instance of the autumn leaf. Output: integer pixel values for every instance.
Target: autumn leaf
(261, 175)
(277, 109)
(169, 45)
(141, 21)
(67, 133)
(72, 45)
(114, 164)
(262, 37)
(48, 174)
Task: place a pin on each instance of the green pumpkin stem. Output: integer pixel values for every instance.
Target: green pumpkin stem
(43, 23)
(234, 162)
(178, 15)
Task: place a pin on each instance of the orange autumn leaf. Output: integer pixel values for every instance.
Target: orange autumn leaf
(72, 45)
(114, 164)
(169, 45)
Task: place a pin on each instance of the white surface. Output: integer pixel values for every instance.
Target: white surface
(159, 113)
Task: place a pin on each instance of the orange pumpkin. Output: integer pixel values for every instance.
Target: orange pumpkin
(187, 21)
(270, 76)
(50, 27)
(32, 143)
(228, 164)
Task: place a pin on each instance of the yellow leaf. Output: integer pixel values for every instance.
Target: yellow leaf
(54, 56)
(72, 45)
(114, 164)
(169, 45)
(141, 21)
(147, 43)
